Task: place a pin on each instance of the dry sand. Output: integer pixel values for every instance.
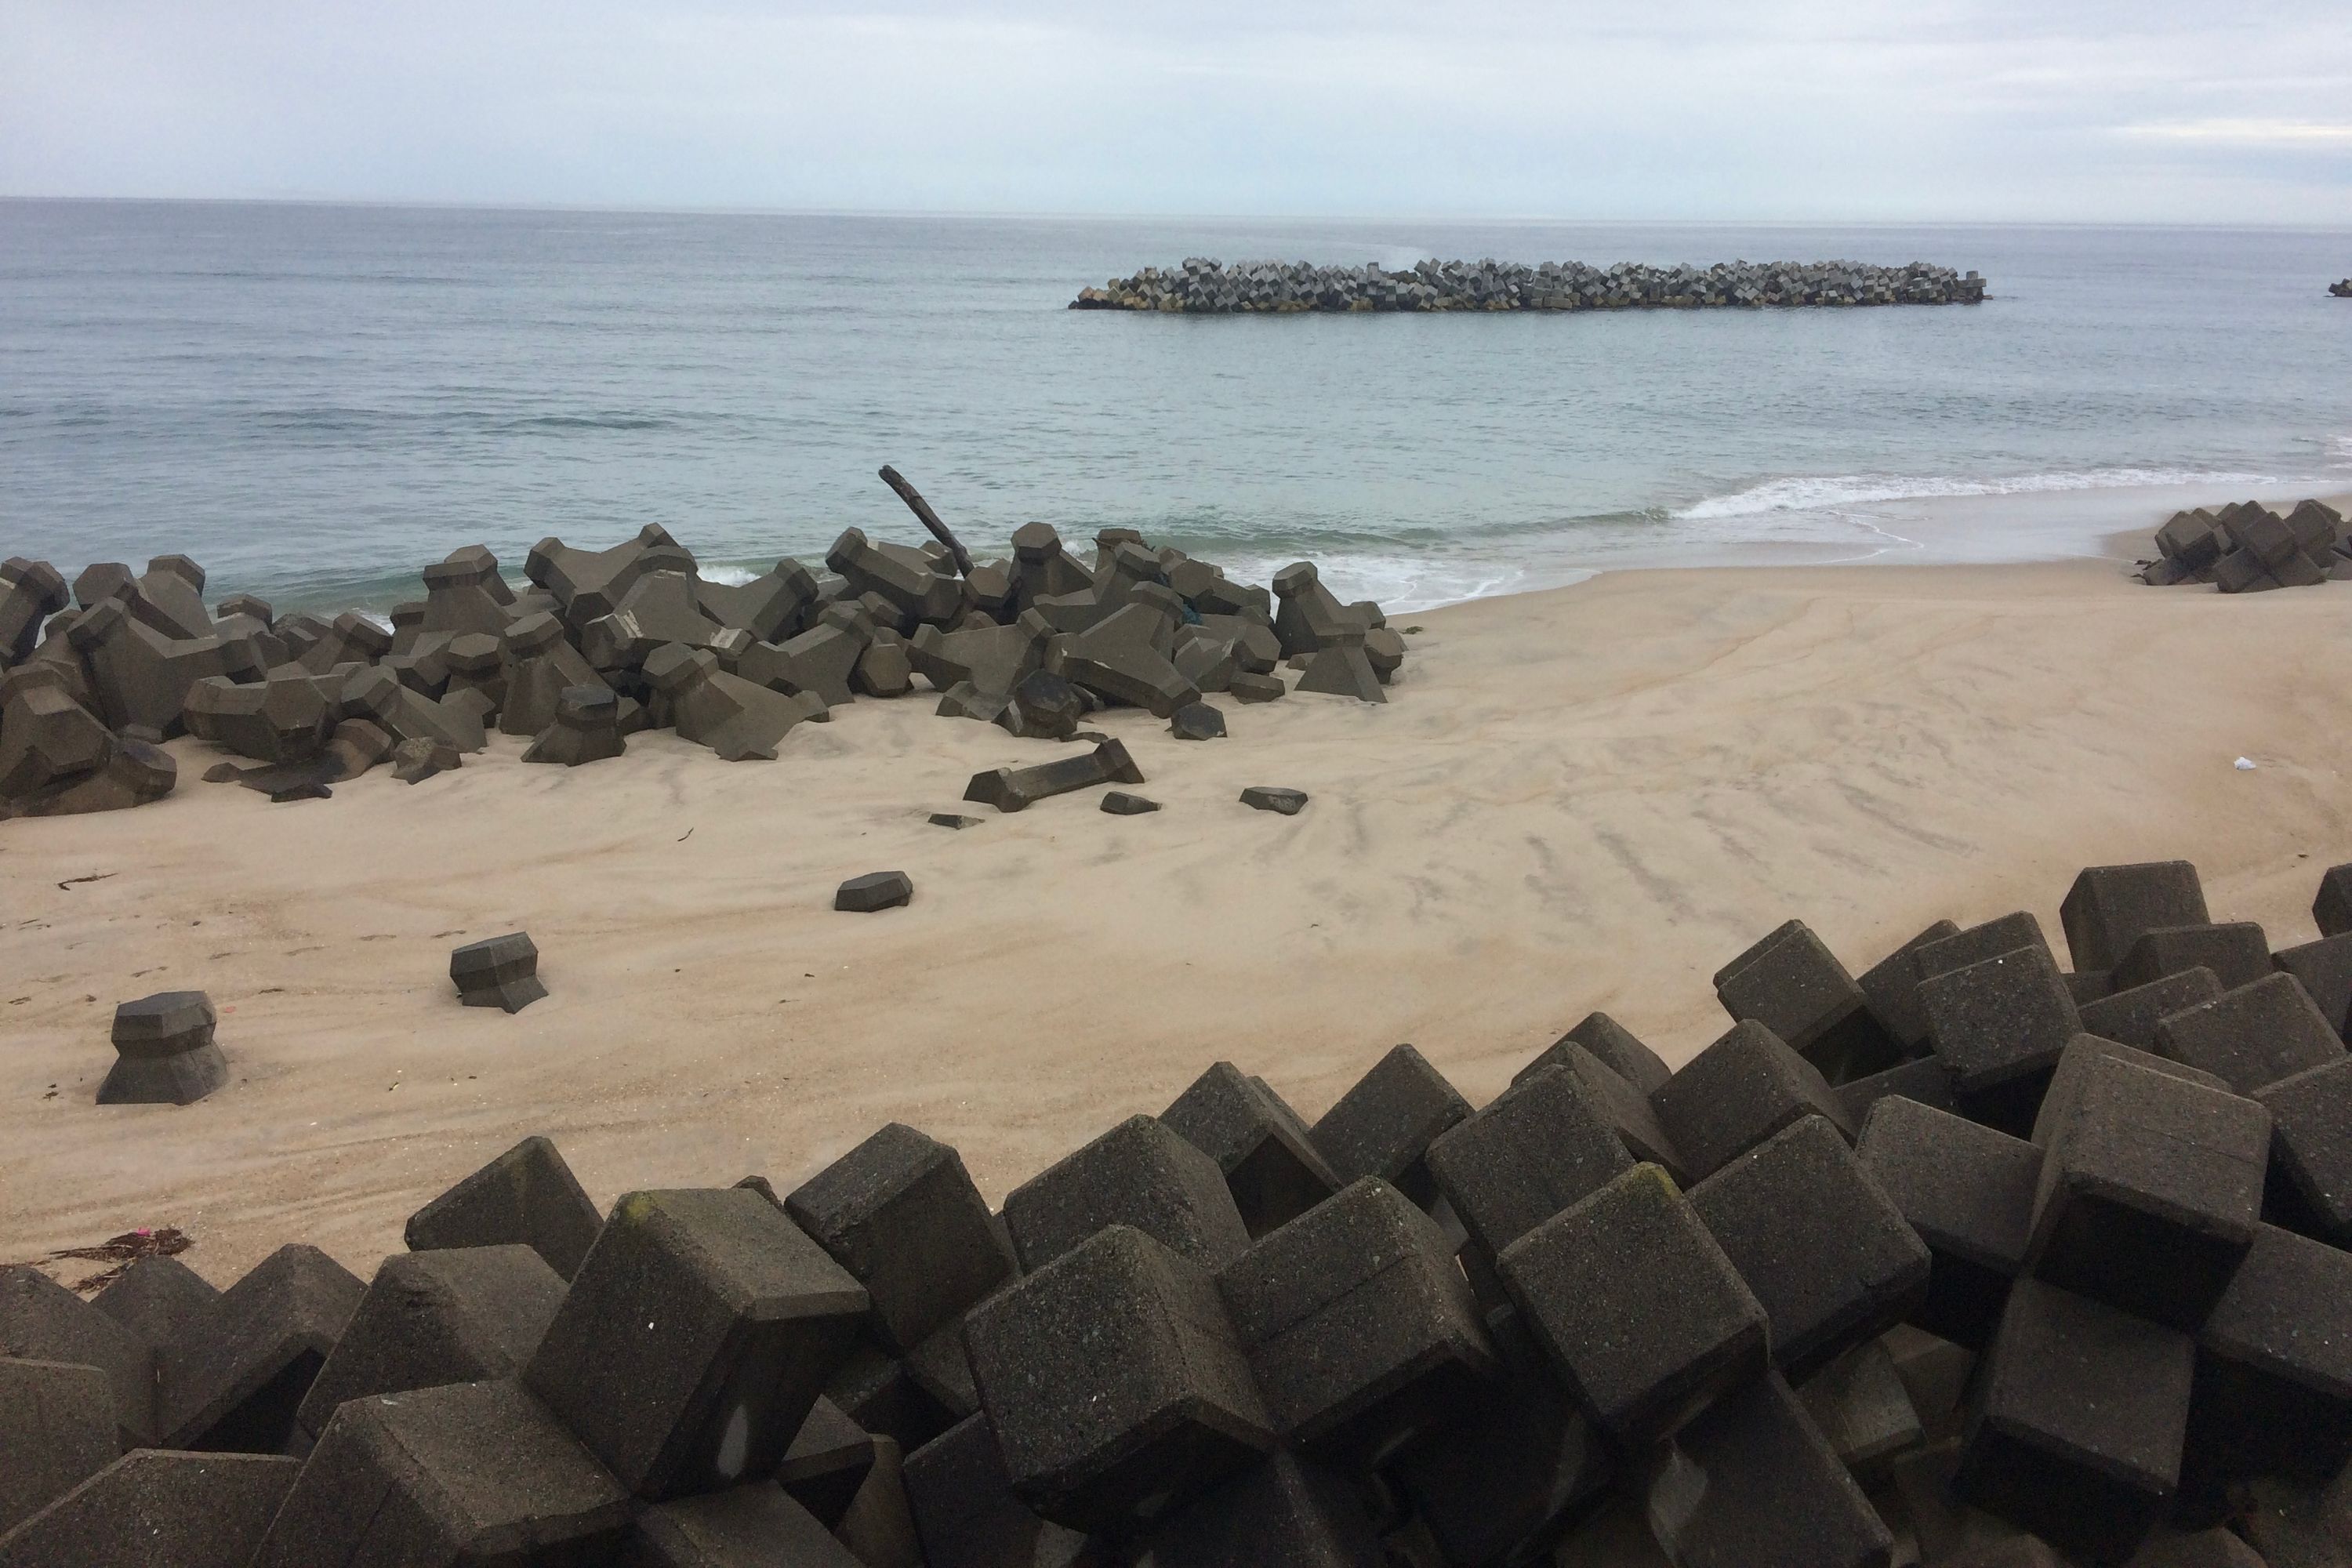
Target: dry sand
(1583, 798)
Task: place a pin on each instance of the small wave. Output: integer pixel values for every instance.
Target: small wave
(589, 422)
(732, 577)
(1818, 493)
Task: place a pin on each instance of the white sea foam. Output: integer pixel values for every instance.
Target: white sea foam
(1829, 492)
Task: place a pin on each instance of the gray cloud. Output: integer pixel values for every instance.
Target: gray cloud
(1776, 108)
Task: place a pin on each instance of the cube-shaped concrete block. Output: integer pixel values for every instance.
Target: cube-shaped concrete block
(2130, 1017)
(2000, 1023)
(2310, 1186)
(1738, 1092)
(466, 1473)
(1611, 1044)
(2006, 933)
(2251, 1036)
(1968, 1191)
(527, 1195)
(238, 1380)
(462, 1315)
(750, 1526)
(1860, 1405)
(1539, 1148)
(2331, 911)
(1518, 1467)
(2273, 1385)
(160, 1509)
(1637, 1307)
(1824, 1249)
(1925, 1080)
(1752, 1483)
(901, 1214)
(1282, 1509)
(829, 1460)
(1795, 985)
(2235, 950)
(1624, 1106)
(694, 1339)
(2150, 1191)
(2324, 969)
(1269, 1158)
(1140, 1174)
(57, 1430)
(1359, 1327)
(157, 1297)
(1384, 1125)
(1115, 1383)
(2109, 907)
(1892, 987)
(2075, 1428)
(40, 1320)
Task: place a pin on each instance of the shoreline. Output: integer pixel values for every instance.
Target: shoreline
(1586, 797)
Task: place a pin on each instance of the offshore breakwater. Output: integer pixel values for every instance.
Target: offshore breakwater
(1203, 287)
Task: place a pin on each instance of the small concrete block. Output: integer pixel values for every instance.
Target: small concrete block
(1518, 1467)
(40, 1320)
(1248, 686)
(1281, 1510)
(1140, 1174)
(1793, 986)
(459, 1315)
(500, 971)
(2235, 950)
(1862, 1406)
(1625, 1107)
(2151, 1190)
(415, 761)
(1616, 1046)
(1120, 803)
(1266, 798)
(953, 820)
(1384, 1125)
(2109, 907)
(57, 1430)
(164, 1053)
(2251, 1036)
(238, 1380)
(1269, 1158)
(1645, 1317)
(157, 1297)
(1017, 789)
(527, 1196)
(2331, 910)
(874, 890)
(2130, 1018)
(750, 1317)
(1927, 1080)
(2324, 970)
(1969, 1192)
(2273, 1385)
(466, 1473)
(1360, 1331)
(755, 1525)
(879, 1393)
(1738, 1092)
(2076, 1424)
(1752, 1483)
(1540, 1148)
(828, 1462)
(964, 1508)
(1824, 1249)
(2000, 1023)
(901, 1216)
(1978, 943)
(157, 1510)
(1892, 987)
(1115, 1383)
(1197, 722)
(2310, 1186)
(2078, 1065)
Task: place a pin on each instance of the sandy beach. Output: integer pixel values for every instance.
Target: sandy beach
(1583, 798)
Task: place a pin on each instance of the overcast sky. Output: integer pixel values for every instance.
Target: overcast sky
(2071, 110)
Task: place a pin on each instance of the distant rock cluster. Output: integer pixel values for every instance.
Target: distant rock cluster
(2342, 291)
(1202, 286)
(2247, 547)
(603, 644)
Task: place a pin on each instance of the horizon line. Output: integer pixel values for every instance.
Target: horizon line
(1051, 216)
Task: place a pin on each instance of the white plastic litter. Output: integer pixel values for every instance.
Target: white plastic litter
(2245, 765)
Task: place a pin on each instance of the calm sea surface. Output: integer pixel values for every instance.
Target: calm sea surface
(314, 401)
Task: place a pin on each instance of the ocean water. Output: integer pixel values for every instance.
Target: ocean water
(313, 400)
